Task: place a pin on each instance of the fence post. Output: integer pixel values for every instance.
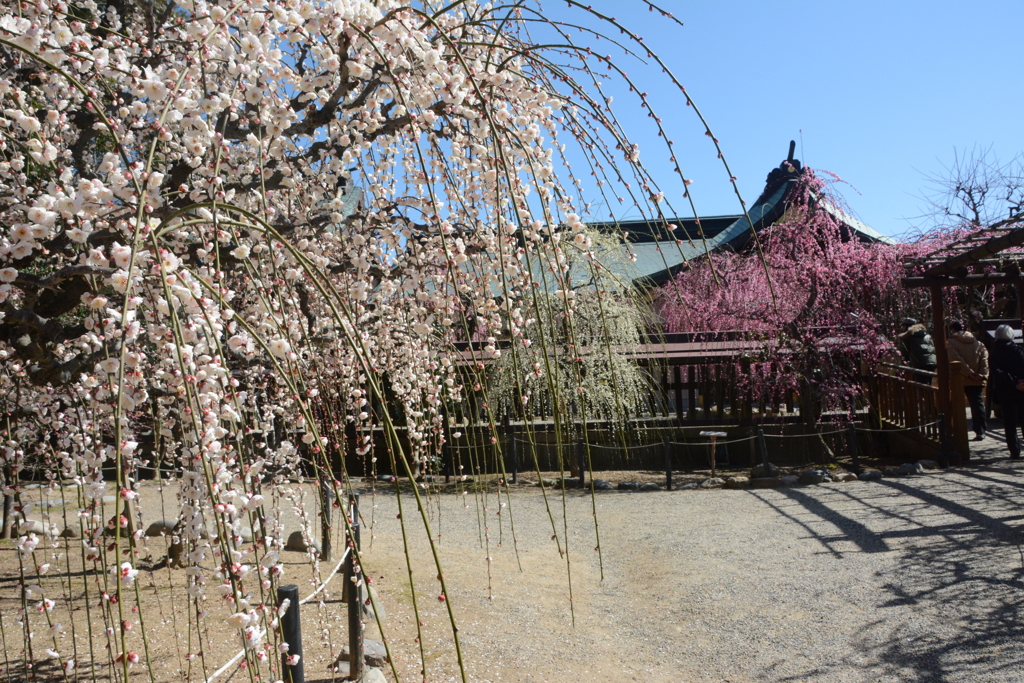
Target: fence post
(515, 458)
(668, 464)
(446, 455)
(764, 452)
(353, 575)
(958, 405)
(854, 452)
(581, 462)
(291, 631)
(326, 518)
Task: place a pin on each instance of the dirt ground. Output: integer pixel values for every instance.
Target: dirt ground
(182, 647)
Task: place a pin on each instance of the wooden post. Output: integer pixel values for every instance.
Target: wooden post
(326, 517)
(291, 632)
(5, 529)
(668, 464)
(764, 453)
(958, 404)
(691, 373)
(581, 460)
(515, 457)
(747, 413)
(1020, 303)
(678, 377)
(446, 458)
(714, 458)
(854, 452)
(714, 438)
(353, 575)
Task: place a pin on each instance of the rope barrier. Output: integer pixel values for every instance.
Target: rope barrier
(708, 443)
(802, 436)
(749, 438)
(625, 448)
(900, 429)
(234, 660)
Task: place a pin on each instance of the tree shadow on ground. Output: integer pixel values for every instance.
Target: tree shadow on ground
(952, 609)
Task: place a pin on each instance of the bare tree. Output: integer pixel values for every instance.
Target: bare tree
(976, 190)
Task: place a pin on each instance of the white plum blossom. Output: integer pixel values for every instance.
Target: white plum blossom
(227, 224)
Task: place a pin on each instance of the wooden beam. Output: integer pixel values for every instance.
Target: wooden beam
(976, 280)
(1010, 238)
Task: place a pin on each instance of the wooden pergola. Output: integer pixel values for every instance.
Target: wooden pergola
(989, 256)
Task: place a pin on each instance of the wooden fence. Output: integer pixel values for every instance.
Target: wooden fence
(901, 401)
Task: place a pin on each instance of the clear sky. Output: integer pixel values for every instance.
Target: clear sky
(880, 93)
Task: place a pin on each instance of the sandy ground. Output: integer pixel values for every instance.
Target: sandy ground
(910, 579)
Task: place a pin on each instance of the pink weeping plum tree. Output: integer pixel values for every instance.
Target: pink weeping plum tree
(217, 215)
(819, 302)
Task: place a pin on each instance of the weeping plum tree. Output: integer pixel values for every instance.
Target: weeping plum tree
(185, 279)
(818, 301)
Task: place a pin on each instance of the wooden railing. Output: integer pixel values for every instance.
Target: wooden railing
(903, 401)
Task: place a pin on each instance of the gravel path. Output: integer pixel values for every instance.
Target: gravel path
(910, 579)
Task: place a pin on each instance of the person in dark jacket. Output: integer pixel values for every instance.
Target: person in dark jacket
(1006, 362)
(918, 348)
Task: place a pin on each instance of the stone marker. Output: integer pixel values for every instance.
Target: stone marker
(789, 480)
(372, 675)
(757, 471)
(374, 653)
(870, 475)
(650, 486)
(737, 483)
(811, 477)
(628, 486)
(163, 527)
(31, 526)
(297, 543)
(602, 485)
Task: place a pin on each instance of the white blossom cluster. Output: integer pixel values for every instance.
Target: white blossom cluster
(183, 272)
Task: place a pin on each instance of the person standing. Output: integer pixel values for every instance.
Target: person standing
(1007, 363)
(962, 346)
(918, 348)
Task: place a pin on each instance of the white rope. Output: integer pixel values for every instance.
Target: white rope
(234, 660)
(330, 576)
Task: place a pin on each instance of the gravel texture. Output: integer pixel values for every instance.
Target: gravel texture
(915, 578)
(912, 579)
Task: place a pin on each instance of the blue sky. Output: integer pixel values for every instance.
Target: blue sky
(880, 93)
